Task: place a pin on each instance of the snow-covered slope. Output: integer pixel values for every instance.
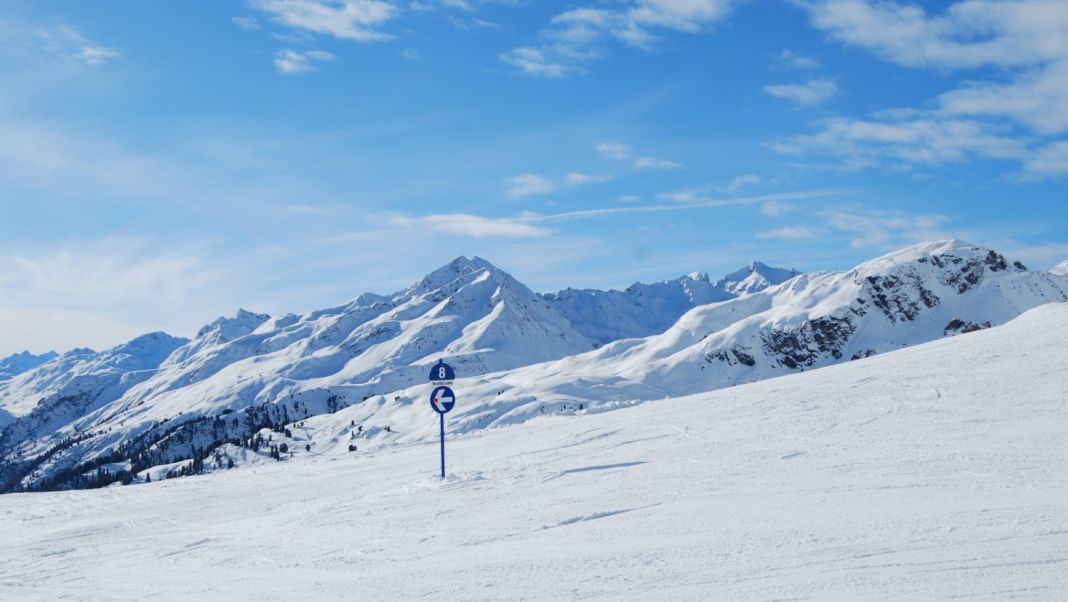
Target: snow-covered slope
(18, 363)
(647, 309)
(279, 370)
(1061, 269)
(931, 473)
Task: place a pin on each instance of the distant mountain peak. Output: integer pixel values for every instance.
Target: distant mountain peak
(23, 361)
(755, 277)
(457, 268)
(1061, 269)
(699, 276)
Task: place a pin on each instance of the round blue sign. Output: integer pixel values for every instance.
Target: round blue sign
(441, 372)
(442, 399)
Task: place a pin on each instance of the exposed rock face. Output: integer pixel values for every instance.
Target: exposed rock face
(802, 347)
(957, 326)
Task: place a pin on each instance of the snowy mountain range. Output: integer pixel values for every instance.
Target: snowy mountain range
(21, 362)
(247, 388)
(646, 309)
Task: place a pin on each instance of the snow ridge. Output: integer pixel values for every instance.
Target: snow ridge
(643, 310)
(18, 363)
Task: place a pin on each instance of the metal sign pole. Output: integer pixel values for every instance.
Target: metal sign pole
(442, 399)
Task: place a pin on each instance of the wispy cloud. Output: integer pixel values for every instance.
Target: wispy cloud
(684, 201)
(788, 233)
(474, 226)
(878, 228)
(907, 138)
(357, 20)
(655, 163)
(797, 60)
(533, 61)
(811, 93)
(529, 184)
(1048, 160)
(577, 178)
(292, 62)
(580, 35)
(104, 292)
(1026, 41)
(743, 181)
(614, 150)
(775, 209)
(66, 42)
(246, 22)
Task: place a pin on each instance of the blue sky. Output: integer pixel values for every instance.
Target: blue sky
(164, 163)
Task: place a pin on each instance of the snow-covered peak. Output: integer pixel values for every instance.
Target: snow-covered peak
(459, 267)
(1061, 269)
(230, 328)
(754, 278)
(144, 352)
(21, 362)
(950, 247)
(699, 276)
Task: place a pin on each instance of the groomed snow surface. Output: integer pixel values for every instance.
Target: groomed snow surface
(935, 472)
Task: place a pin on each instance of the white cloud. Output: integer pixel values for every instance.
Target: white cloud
(473, 226)
(1037, 99)
(810, 93)
(654, 163)
(740, 182)
(789, 233)
(412, 54)
(628, 198)
(576, 179)
(683, 201)
(579, 35)
(291, 62)
(775, 209)
(532, 61)
(528, 184)
(1026, 41)
(357, 20)
(66, 42)
(886, 228)
(104, 293)
(797, 60)
(863, 143)
(1049, 160)
(971, 33)
(244, 22)
(614, 150)
(680, 196)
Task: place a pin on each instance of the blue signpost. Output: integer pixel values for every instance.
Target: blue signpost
(442, 399)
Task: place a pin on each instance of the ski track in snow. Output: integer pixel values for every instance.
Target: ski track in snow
(935, 472)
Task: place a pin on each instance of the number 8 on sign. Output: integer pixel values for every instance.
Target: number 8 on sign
(442, 372)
